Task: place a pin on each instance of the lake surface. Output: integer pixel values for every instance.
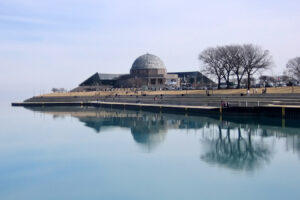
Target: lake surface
(89, 153)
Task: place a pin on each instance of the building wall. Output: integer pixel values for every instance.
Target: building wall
(147, 78)
(147, 72)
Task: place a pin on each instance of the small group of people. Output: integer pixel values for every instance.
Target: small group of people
(224, 104)
(156, 97)
(207, 92)
(264, 91)
(255, 91)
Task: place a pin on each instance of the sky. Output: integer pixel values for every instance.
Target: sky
(60, 43)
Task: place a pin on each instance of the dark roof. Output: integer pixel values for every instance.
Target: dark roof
(193, 73)
(109, 76)
(101, 79)
(197, 74)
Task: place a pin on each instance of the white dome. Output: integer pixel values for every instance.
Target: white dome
(148, 61)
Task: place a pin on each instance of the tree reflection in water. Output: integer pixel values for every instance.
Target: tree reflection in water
(236, 143)
(239, 152)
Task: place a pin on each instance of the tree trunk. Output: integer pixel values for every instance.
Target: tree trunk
(219, 82)
(227, 82)
(238, 82)
(249, 81)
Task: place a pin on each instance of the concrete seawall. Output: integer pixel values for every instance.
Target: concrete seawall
(183, 99)
(266, 111)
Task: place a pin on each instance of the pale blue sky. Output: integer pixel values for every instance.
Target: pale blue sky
(59, 43)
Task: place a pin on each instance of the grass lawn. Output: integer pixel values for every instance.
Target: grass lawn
(278, 90)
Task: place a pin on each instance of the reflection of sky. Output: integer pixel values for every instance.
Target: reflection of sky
(42, 158)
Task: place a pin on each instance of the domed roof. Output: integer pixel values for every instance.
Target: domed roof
(148, 61)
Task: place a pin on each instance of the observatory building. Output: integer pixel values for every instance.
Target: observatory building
(150, 69)
(147, 72)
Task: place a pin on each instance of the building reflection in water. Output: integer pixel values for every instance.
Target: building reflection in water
(240, 143)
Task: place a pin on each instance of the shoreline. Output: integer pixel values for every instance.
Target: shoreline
(190, 102)
(273, 111)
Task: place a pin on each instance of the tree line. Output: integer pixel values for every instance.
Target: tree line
(293, 68)
(235, 61)
(242, 62)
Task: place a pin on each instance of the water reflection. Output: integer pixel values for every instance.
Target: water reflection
(236, 143)
(236, 151)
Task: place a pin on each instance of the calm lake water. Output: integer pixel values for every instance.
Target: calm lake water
(89, 153)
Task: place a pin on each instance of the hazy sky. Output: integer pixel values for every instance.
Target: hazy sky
(59, 43)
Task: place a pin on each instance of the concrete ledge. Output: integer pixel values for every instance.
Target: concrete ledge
(269, 111)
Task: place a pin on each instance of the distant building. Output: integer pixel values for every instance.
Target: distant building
(194, 79)
(101, 80)
(147, 72)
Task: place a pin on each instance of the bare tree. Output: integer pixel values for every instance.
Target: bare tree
(263, 80)
(255, 59)
(62, 90)
(212, 63)
(233, 63)
(293, 67)
(226, 59)
(54, 90)
(223, 62)
(238, 64)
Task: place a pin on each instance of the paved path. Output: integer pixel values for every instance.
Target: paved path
(186, 100)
